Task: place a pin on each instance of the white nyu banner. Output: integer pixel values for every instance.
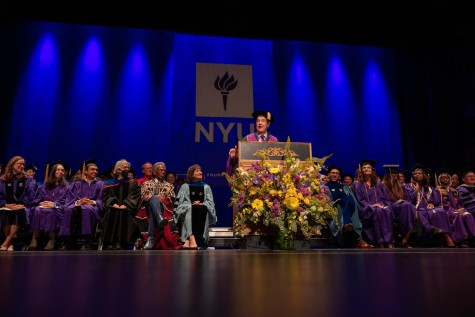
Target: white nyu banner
(224, 90)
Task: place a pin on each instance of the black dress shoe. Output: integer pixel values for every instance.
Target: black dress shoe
(162, 223)
(118, 246)
(437, 230)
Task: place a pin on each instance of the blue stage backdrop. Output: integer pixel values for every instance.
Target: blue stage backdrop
(74, 92)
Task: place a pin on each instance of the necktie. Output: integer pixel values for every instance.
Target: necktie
(263, 138)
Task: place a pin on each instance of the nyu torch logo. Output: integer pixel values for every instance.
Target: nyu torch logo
(224, 90)
(225, 85)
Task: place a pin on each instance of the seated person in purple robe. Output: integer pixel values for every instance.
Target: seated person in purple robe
(84, 208)
(263, 122)
(461, 221)
(405, 213)
(16, 196)
(427, 199)
(376, 213)
(49, 204)
(466, 191)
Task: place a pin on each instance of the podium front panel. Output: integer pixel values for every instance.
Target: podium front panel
(275, 151)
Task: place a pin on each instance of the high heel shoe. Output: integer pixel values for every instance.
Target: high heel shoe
(11, 248)
(50, 245)
(448, 241)
(33, 244)
(3, 248)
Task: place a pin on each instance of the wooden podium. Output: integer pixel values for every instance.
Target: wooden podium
(248, 153)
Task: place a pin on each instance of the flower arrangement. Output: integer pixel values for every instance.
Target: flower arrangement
(288, 197)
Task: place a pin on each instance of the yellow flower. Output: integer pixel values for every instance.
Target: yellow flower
(287, 178)
(274, 170)
(292, 203)
(291, 192)
(257, 204)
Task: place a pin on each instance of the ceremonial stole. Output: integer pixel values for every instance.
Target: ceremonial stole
(13, 196)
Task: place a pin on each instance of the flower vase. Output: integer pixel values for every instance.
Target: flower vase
(283, 241)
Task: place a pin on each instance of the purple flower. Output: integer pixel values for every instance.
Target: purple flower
(241, 197)
(275, 209)
(296, 178)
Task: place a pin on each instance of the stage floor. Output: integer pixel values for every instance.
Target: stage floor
(238, 282)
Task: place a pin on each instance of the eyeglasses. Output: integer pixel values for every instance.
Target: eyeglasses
(20, 164)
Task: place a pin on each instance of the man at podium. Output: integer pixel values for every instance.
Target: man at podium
(263, 121)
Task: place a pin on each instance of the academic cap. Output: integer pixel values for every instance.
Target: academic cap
(391, 168)
(265, 114)
(403, 172)
(334, 167)
(422, 168)
(367, 162)
(49, 168)
(85, 164)
(31, 167)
